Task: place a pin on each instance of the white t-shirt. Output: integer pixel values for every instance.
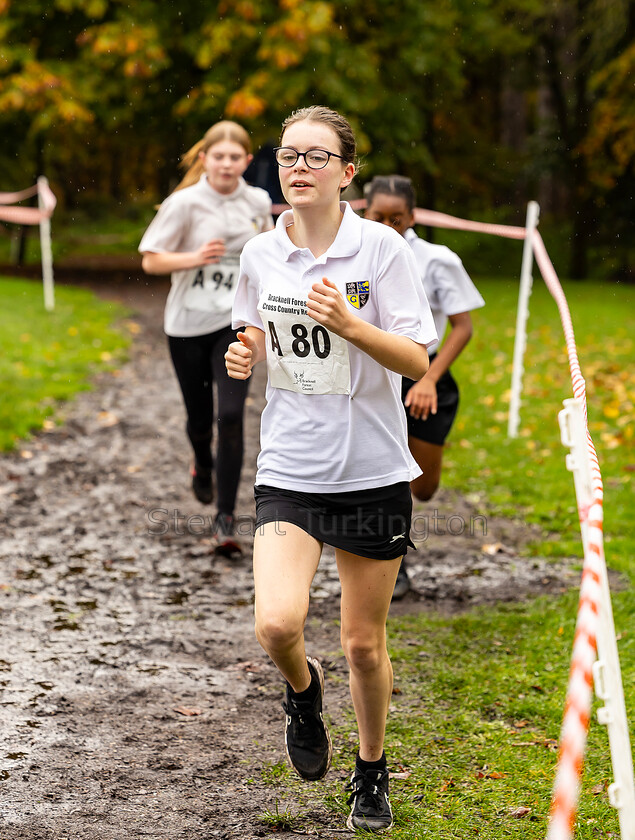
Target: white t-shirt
(200, 299)
(447, 284)
(334, 420)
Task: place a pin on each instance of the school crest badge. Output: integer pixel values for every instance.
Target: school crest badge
(358, 293)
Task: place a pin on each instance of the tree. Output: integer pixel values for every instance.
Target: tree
(478, 102)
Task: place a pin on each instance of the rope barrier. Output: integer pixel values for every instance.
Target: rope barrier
(28, 215)
(14, 197)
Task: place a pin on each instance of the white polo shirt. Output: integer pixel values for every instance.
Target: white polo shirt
(447, 284)
(334, 420)
(200, 299)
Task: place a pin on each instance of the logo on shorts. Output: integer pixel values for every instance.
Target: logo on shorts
(358, 293)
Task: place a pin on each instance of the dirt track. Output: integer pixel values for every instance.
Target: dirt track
(133, 690)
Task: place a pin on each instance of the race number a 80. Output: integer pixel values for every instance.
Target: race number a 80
(318, 340)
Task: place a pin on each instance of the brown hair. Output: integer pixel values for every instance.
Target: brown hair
(339, 124)
(223, 130)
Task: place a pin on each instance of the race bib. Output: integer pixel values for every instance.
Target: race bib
(302, 355)
(211, 288)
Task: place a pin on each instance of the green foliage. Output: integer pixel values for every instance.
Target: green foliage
(279, 820)
(47, 357)
(104, 95)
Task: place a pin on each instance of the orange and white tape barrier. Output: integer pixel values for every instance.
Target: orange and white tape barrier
(28, 215)
(585, 647)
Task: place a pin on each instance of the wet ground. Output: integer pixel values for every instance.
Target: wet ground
(135, 701)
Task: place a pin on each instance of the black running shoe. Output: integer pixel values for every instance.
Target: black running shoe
(306, 737)
(224, 527)
(202, 484)
(402, 584)
(371, 809)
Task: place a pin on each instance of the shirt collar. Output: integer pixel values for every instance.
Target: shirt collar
(347, 242)
(237, 193)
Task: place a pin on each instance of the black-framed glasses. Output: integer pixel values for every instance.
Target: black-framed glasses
(314, 158)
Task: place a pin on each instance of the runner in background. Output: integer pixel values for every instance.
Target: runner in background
(197, 237)
(431, 402)
(335, 306)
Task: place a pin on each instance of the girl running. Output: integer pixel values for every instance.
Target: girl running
(431, 402)
(334, 305)
(197, 237)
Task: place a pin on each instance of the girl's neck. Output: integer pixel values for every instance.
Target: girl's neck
(227, 189)
(315, 228)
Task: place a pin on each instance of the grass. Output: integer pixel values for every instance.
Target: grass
(47, 357)
(473, 730)
(474, 724)
(527, 476)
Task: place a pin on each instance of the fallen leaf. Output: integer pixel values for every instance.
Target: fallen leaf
(491, 548)
(249, 666)
(519, 812)
(404, 775)
(107, 418)
(597, 789)
(186, 710)
(497, 548)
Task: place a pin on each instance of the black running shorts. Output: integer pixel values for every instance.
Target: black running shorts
(371, 523)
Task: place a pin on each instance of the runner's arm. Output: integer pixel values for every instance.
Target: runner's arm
(422, 398)
(165, 262)
(396, 352)
(458, 337)
(243, 354)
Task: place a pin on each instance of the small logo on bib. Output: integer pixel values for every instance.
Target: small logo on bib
(358, 293)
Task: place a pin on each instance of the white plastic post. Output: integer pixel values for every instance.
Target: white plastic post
(47, 251)
(606, 669)
(520, 341)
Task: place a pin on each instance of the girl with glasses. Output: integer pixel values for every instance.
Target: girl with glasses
(334, 306)
(197, 237)
(431, 402)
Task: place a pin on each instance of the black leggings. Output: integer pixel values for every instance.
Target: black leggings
(199, 362)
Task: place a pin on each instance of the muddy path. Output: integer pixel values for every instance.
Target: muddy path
(135, 701)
